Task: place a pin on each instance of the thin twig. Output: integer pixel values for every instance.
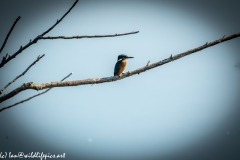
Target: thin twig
(85, 36)
(148, 63)
(9, 33)
(31, 85)
(38, 58)
(58, 21)
(31, 96)
(6, 59)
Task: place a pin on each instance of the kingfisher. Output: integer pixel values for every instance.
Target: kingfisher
(121, 64)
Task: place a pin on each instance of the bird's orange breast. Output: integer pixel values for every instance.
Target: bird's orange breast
(121, 66)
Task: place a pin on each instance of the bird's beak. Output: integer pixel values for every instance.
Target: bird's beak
(130, 57)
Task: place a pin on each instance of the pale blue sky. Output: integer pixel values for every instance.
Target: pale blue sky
(157, 113)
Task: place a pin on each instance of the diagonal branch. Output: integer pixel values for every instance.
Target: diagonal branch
(6, 59)
(31, 85)
(85, 36)
(58, 21)
(9, 33)
(31, 96)
(38, 58)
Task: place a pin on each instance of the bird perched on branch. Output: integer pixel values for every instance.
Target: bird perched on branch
(121, 64)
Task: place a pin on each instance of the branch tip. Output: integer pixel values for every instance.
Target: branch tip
(58, 21)
(148, 63)
(9, 33)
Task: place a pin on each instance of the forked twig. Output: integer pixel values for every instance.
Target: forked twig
(6, 59)
(31, 96)
(38, 58)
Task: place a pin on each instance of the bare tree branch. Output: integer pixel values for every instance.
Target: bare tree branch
(6, 59)
(58, 21)
(38, 58)
(9, 33)
(85, 36)
(31, 96)
(31, 85)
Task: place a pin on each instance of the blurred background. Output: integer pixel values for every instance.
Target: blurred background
(184, 110)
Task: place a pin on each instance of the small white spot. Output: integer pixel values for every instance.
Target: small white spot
(90, 139)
